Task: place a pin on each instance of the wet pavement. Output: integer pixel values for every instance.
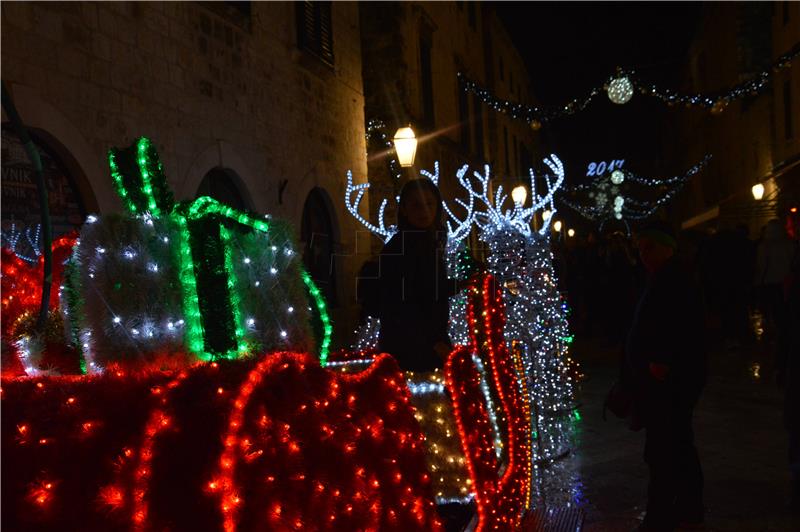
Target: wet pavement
(739, 435)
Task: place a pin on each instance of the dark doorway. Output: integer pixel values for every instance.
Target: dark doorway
(317, 237)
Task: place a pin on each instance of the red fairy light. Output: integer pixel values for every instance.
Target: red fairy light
(500, 499)
(41, 492)
(157, 423)
(112, 496)
(261, 443)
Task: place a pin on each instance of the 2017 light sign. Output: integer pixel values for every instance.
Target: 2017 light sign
(598, 169)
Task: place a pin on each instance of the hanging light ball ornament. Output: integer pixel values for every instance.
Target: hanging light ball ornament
(620, 90)
(617, 177)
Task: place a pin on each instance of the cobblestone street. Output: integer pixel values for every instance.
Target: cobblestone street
(739, 435)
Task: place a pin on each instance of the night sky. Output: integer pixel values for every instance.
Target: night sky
(571, 47)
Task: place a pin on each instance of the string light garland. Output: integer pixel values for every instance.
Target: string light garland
(608, 197)
(621, 86)
(376, 131)
(30, 249)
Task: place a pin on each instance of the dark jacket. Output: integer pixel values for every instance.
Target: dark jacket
(668, 328)
(413, 307)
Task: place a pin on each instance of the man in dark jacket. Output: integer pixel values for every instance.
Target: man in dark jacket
(666, 364)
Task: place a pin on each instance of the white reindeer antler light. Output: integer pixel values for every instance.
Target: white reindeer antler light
(493, 214)
(383, 232)
(458, 228)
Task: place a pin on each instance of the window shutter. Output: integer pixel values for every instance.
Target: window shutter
(315, 29)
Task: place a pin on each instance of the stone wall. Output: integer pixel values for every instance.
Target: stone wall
(212, 88)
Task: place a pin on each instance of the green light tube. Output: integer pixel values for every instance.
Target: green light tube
(191, 307)
(112, 163)
(147, 186)
(233, 294)
(327, 328)
(204, 206)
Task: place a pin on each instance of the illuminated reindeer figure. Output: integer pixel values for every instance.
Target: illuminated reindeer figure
(536, 329)
(520, 260)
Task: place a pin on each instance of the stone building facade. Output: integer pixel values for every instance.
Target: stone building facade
(260, 104)
(413, 52)
(749, 139)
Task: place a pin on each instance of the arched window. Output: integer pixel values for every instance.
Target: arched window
(222, 185)
(317, 235)
(69, 194)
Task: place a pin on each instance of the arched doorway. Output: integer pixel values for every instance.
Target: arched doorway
(70, 197)
(222, 184)
(317, 235)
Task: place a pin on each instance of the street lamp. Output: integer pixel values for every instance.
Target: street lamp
(405, 145)
(519, 194)
(758, 191)
(557, 226)
(546, 214)
(570, 232)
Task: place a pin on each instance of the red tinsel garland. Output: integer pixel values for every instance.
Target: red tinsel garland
(501, 499)
(21, 286)
(22, 283)
(279, 444)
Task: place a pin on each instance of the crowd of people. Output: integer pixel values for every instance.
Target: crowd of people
(668, 300)
(744, 282)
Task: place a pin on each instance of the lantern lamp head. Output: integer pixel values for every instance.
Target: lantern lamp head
(519, 195)
(758, 191)
(405, 144)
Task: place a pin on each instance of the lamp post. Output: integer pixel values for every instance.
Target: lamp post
(405, 145)
(557, 226)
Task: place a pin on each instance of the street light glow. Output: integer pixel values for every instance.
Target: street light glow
(519, 194)
(758, 191)
(405, 145)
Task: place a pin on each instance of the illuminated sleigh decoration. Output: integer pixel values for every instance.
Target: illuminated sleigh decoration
(196, 278)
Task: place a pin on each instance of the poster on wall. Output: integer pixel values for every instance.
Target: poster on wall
(20, 199)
